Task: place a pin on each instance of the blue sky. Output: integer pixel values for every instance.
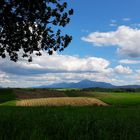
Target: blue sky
(105, 47)
(97, 15)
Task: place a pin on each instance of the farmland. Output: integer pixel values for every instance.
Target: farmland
(79, 101)
(119, 120)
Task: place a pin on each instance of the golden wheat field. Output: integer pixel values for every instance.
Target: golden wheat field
(72, 101)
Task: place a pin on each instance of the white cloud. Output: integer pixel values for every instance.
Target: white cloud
(50, 78)
(127, 61)
(126, 19)
(61, 63)
(4, 78)
(125, 38)
(46, 70)
(122, 70)
(113, 24)
(133, 79)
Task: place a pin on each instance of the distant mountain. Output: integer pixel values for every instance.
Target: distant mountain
(81, 84)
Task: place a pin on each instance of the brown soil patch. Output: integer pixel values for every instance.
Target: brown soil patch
(63, 101)
(37, 93)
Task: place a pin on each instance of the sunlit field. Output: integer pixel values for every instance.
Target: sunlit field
(63, 101)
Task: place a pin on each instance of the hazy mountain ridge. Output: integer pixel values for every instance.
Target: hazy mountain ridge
(81, 84)
(86, 84)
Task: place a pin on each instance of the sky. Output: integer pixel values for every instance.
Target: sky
(105, 47)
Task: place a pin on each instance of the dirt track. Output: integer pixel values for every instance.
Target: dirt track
(62, 101)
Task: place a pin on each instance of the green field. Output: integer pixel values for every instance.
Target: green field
(119, 121)
(112, 98)
(120, 99)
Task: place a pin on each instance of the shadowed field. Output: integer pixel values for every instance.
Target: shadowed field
(33, 119)
(63, 101)
(37, 93)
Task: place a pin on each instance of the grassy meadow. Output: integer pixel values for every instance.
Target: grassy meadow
(120, 120)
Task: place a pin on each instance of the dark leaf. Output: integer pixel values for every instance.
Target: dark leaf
(29, 25)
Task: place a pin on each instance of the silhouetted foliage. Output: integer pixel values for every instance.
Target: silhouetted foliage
(32, 26)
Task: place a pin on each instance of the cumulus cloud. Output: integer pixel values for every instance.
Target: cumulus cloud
(134, 79)
(54, 64)
(122, 70)
(50, 78)
(127, 61)
(125, 38)
(4, 78)
(47, 69)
